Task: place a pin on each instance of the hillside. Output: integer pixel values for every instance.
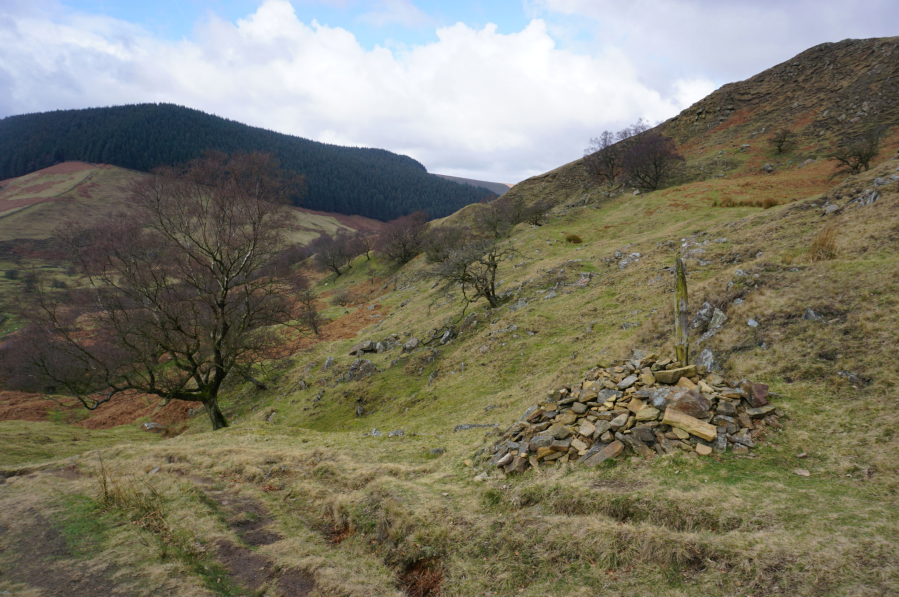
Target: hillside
(374, 477)
(374, 183)
(497, 188)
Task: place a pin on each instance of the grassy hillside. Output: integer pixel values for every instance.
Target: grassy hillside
(301, 496)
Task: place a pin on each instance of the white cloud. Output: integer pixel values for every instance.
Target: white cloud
(720, 40)
(473, 103)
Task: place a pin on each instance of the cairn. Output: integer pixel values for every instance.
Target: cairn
(648, 406)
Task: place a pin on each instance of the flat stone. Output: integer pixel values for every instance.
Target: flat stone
(364, 346)
(619, 421)
(579, 408)
(587, 429)
(601, 428)
(685, 382)
(760, 412)
(802, 472)
(671, 376)
(680, 433)
(567, 419)
(636, 405)
(561, 445)
(648, 413)
(578, 445)
(599, 453)
(647, 378)
(606, 437)
(703, 450)
(627, 382)
(689, 424)
(559, 431)
(725, 408)
(639, 447)
(739, 449)
(543, 452)
(540, 441)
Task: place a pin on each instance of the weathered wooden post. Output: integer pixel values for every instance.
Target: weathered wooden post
(681, 340)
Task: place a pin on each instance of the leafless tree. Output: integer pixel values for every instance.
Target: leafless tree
(401, 239)
(363, 243)
(783, 140)
(474, 267)
(649, 160)
(172, 301)
(440, 242)
(604, 156)
(332, 253)
(855, 154)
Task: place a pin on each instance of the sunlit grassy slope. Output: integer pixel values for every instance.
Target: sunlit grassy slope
(678, 525)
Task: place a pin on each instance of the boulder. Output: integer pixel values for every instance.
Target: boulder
(756, 393)
(364, 346)
(360, 369)
(706, 358)
(410, 344)
(691, 403)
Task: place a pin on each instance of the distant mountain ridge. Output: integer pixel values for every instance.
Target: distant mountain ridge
(497, 187)
(374, 183)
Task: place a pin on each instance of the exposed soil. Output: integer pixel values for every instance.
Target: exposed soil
(422, 579)
(42, 559)
(126, 409)
(250, 519)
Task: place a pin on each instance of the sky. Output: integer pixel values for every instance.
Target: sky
(492, 90)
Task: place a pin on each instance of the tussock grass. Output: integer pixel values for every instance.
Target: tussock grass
(824, 246)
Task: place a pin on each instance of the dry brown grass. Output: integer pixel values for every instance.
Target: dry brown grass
(824, 246)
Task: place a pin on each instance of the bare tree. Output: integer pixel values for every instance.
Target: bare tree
(855, 154)
(474, 267)
(535, 212)
(604, 157)
(332, 253)
(440, 242)
(173, 301)
(308, 309)
(783, 140)
(363, 243)
(401, 239)
(649, 160)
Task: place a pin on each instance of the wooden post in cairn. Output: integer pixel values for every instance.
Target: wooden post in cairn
(681, 341)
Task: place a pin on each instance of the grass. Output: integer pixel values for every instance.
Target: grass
(678, 526)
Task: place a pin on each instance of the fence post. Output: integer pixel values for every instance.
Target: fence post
(681, 340)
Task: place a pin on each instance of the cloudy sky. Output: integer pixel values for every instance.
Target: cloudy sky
(495, 90)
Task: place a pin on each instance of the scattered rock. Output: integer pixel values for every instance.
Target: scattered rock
(802, 472)
(467, 426)
(375, 433)
(396, 433)
(436, 451)
(364, 346)
(151, 426)
(810, 315)
(329, 362)
(600, 453)
(752, 323)
(769, 168)
(410, 344)
(359, 370)
(703, 450)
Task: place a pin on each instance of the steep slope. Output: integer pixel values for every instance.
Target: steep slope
(354, 181)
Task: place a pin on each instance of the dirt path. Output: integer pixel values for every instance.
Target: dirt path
(250, 520)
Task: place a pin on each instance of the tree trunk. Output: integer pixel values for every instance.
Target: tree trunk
(215, 414)
(681, 340)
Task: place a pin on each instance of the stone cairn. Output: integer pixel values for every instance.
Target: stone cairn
(648, 405)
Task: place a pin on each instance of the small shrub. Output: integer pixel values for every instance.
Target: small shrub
(824, 247)
(573, 239)
(341, 297)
